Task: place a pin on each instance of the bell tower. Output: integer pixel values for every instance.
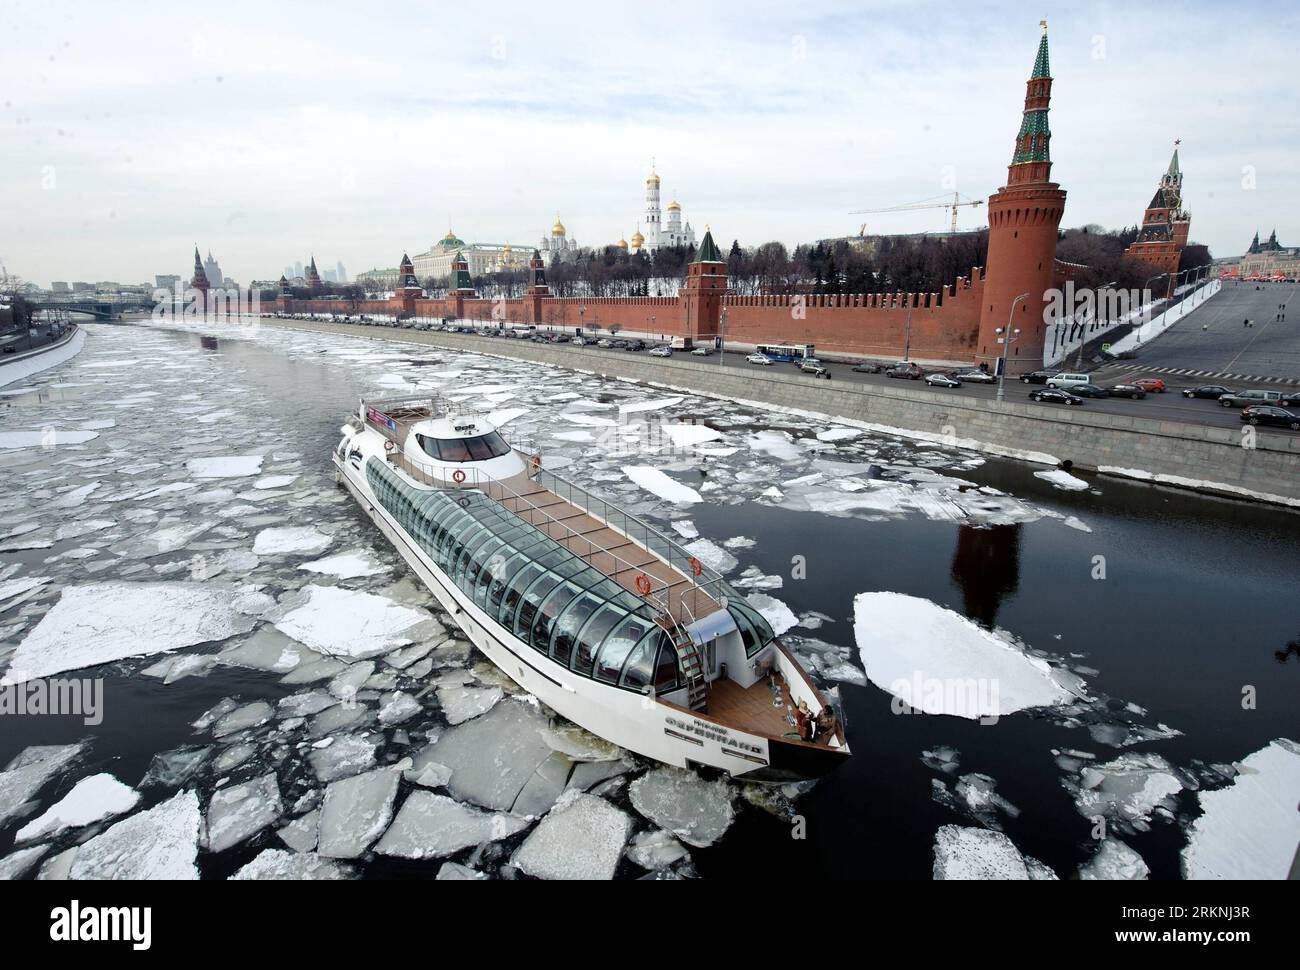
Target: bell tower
(1023, 218)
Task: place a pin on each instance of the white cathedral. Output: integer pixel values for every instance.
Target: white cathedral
(657, 232)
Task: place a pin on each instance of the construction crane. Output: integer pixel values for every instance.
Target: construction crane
(956, 203)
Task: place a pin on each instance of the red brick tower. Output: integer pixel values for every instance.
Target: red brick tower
(539, 290)
(408, 287)
(1165, 225)
(199, 281)
(1023, 218)
(462, 287)
(706, 284)
(313, 277)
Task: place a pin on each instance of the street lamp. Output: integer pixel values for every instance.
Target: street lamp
(1083, 337)
(1007, 335)
(582, 309)
(722, 330)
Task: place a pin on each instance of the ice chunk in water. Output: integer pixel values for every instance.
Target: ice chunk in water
(1250, 829)
(582, 837)
(347, 755)
(430, 826)
(356, 811)
(656, 849)
(97, 624)
(961, 852)
(712, 555)
(171, 769)
(460, 704)
(301, 834)
(577, 744)
(28, 772)
(240, 811)
(347, 623)
(1114, 860)
(243, 718)
(397, 707)
(160, 843)
(697, 811)
(289, 540)
(279, 864)
(1127, 790)
(91, 799)
(656, 482)
(347, 565)
(454, 871)
(15, 864)
(235, 466)
(779, 616)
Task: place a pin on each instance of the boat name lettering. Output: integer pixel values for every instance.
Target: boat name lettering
(713, 733)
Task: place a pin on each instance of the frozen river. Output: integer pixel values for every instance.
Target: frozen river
(1103, 678)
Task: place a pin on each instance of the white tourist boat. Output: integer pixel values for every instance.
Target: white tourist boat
(605, 619)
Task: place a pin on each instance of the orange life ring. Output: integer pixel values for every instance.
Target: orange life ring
(458, 476)
(643, 584)
(389, 446)
(697, 567)
(537, 462)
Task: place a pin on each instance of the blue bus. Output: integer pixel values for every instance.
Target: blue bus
(787, 352)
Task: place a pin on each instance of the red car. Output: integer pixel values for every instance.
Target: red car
(1149, 384)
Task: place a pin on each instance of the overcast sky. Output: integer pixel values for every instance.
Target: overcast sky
(270, 131)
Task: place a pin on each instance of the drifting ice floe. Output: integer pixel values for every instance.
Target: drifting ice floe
(232, 466)
(39, 439)
(28, 772)
(91, 799)
(779, 616)
(347, 565)
(1063, 479)
(241, 811)
(161, 843)
(1250, 829)
(657, 483)
(1127, 790)
(459, 704)
(430, 826)
(289, 540)
(656, 405)
(1114, 860)
(961, 852)
(93, 625)
(712, 555)
(656, 849)
(278, 864)
(346, 623)
(697, 811)
(356, 811)
(582, 837)
(936, 661)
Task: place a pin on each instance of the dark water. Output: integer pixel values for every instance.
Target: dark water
(1198, 603)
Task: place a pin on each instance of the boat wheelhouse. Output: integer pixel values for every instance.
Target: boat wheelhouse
(607, 620)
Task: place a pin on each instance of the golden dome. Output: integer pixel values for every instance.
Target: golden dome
(622, 244)
(638, 240)
(653, 180)
(674, 204)
(558, 228)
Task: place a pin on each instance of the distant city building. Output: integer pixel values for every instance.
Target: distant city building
(297, 271)
(1269, 258)
(80, 287)
(378, 280)
(213, 271)
(59, 286)
(340, 274)
(482, 258)
(165, 281)
(328, 276)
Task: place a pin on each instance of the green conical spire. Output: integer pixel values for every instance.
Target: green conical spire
(1041, 67)
(1173, 164)
(709, 252)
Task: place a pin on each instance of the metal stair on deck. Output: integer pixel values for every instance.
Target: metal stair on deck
(692, 665)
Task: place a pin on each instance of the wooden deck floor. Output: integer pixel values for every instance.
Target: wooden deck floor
(750, 708)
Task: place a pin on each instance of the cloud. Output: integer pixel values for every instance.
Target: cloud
(267, 132)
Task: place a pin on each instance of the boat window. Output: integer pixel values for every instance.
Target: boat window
(500, 579)
(666, 668)
(610, 653)
(566, 633)
(482, 554)
(754, 630)
(515, 592)
(551, 607)
(479, 448)
(640, 665)
(531, 600)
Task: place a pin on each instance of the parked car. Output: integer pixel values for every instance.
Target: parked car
(1038, 376)
(1150, 384)
(1266, 414)
(634, 345)
(1068, 380)
(941, 380)
(1052, 395)
(701, 351)
(975, 377)
(605, 342)
(1289, 399)
(663, 350)
(619, 345)
(909, 371)
(763, 359)
(1123, 390)
(1088, 390)
(1244, 399)
(815, 367)
(579, 342)
(1211, 391)
(868, 367)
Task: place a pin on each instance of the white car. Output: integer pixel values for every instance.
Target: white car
(701, 351)
(663, 351)
(763, 359)
(1066, 381)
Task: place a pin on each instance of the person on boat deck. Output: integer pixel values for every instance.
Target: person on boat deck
(825, 721)
(806, 725)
